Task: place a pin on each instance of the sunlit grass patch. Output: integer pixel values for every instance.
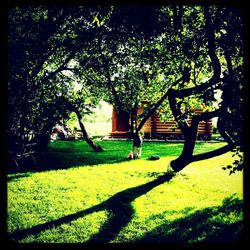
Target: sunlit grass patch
(201, 185)
(88, 202)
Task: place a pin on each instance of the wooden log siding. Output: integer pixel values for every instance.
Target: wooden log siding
(147, 127)
(155, 127)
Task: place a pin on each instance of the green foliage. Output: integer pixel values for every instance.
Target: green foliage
(42, 44)
(72, 122)
(124, 55)
(238, 162)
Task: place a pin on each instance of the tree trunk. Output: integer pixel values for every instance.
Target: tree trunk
(190, 132)
(137, 145)
(185, 158)
(71, 107)
(97, 148)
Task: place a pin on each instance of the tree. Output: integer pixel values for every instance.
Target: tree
(185, 62)
(121, 63)
(42, 43)
(219, 26)
(172, 55)
(30, 46)
(81, 101)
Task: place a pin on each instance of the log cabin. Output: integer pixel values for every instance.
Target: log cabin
(154, 128)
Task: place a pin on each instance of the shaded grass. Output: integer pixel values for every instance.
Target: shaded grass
(67, 154)
(214, 224)
(128, 201)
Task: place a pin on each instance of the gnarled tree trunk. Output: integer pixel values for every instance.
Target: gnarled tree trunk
(190, 135)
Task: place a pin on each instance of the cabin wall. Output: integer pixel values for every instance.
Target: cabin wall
(155, 128)
(120, 125)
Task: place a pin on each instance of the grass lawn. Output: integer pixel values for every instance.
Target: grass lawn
(78, 196)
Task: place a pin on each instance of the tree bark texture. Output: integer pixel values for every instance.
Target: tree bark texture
(137, 145)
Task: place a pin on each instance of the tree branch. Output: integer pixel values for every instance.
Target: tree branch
(110, 84)
(212, 83)
(184, 127)
(211, 44)
(213, 153)
(206, 115)
(215, 82)
(156, 106)
(44, 58)
(60, 68)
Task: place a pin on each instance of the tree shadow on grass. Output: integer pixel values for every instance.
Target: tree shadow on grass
(209, 225)
(119, 208)
(46, 161)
